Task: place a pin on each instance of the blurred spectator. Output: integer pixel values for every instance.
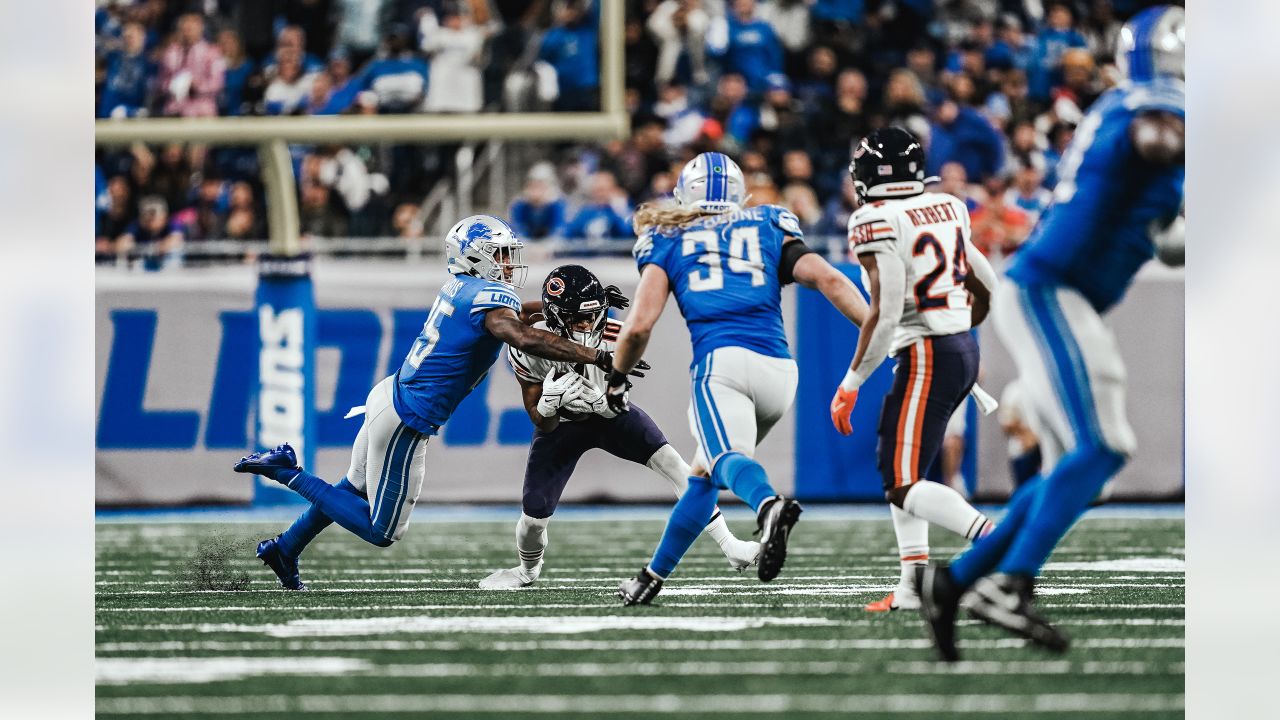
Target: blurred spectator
(117, 214)
(680, 27)
(130, 74)
(405, 223)
(539, 211)
(170, 177)
(816, 90)
(1079, 79)
(572, 48)
(961, 134)
(736, 115)
(954, 182)
(790, 22)
(292, 40)
(191, 71)
(289, 89)
(209, 212)
(781, 122)
(241, 83)
(1102, 28)
(604, 215)
(835, 216)
(1060, 135)
(684, 121)
(1028, 193)
(154, 236)
(904, 103)
(803, 201)
(358, 28)
(1057, 36)
(397, 76)
(761, 190)
(999, 227)
(316, 215)
(454, 46)
(747, 44)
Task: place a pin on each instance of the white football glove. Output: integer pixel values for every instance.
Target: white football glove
(558, 393)
(591, 400)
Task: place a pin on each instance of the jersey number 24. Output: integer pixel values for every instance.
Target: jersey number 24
(957, 262)
(744, 257)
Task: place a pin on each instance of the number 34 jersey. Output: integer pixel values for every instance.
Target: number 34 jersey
(452, 354)
(929, 233)
(724, 273)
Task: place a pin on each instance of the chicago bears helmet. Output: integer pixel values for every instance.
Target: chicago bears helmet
(571, 295)
(711, 182)
(1153, 44)
(888, 163)
(486, 247)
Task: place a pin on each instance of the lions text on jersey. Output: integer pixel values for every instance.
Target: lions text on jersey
(724, 273)
(1097, 233)
(453, 353)
(928, 232)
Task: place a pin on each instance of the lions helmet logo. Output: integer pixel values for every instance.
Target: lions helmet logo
(479, 231)
(555, 286)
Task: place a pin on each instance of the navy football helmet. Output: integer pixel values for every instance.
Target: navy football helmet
(573, 295)
(888, 163)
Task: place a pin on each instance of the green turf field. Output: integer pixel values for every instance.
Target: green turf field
(404, 631)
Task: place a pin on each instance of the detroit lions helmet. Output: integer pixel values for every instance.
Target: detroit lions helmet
(711, 182)
(486, 247)
(1153, 44)
(571, 295)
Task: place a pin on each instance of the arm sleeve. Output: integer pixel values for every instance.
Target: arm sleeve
(893, 281)
(868, 232)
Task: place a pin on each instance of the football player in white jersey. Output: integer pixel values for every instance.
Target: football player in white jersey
(921, 270)
(567, 404)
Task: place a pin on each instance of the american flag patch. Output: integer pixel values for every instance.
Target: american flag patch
(884, 169)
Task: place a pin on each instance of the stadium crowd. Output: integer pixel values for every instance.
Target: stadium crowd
(995, 89)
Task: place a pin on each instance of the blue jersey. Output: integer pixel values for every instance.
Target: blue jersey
(724, 273)
(453, 353)
(1097, 232)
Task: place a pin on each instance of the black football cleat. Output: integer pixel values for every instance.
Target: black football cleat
(285, 567)
(939, 603)
(1006, 602)
(641, 589)
(268, 462)
(774, 523)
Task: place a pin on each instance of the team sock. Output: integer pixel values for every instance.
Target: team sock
(945, 508)
(688, 518)
(1064, 496)
(718, 529)
(668, 463)
(982, 557)
(309, 524)
(531, 540)
(745, 477)
(349, 510)
(913, 544)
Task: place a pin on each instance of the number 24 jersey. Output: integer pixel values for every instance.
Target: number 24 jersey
(929, 232)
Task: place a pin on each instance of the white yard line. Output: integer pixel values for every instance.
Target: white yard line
(598, 705)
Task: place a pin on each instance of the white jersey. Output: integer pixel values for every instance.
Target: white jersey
(929, 233)
(536, 369)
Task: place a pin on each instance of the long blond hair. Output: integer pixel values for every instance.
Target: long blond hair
(665, 217)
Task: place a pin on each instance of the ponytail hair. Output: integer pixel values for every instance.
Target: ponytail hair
(665, 217)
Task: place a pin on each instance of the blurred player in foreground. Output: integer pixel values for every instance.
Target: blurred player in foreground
(726, 265)
(473, 315)
(567, 405)
(1116, 204)
(922, 270)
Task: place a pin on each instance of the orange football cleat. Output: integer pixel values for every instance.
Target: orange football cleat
(884, 604)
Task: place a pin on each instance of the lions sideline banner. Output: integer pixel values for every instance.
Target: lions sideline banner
(181, 389)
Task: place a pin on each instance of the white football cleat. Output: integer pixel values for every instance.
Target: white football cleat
(741, 554)
(512, 578)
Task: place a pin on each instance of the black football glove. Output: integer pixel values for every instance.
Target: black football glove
(604, 361)
(616, 393)
(616, 298)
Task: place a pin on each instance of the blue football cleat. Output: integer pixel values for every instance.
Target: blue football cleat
(268, 462)
(285, 567)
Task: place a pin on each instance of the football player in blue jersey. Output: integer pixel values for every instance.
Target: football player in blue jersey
(1116, 204)
(473, 315)
(726, 266)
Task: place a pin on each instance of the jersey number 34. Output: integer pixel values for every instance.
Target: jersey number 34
(929, 297)
(744, 257)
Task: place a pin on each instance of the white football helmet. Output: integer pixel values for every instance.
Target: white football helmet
(711, 182)
(486, 247)
(1153, 44)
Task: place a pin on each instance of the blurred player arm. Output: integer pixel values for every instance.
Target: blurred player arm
(887, 279)
(981, 282)
(504, 324)
(802, 265)
(650, 300)
(1159, 137)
